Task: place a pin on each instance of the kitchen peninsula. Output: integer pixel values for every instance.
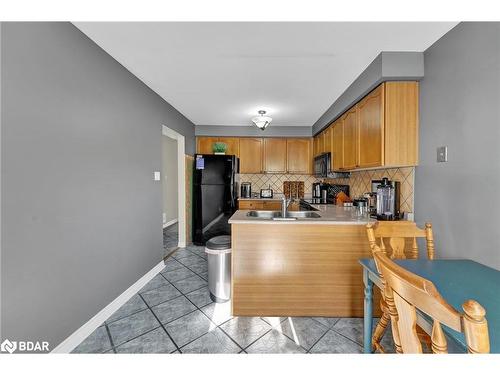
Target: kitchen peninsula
(302, 267)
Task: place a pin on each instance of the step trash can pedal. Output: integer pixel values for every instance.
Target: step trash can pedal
(218, 251)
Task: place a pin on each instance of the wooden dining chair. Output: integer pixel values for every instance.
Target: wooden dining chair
(405, 293)
(400, 239)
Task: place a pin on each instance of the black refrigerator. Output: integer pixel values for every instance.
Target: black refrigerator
(214, 195)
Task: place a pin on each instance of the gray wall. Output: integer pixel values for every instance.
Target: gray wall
(253, 131)
(169, 178)
(387, 66)
(460, 108)
(81, 214)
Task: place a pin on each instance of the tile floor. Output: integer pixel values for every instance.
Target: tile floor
(170, 238)
(173, 313)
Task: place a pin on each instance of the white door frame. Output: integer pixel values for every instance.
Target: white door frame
(181, 181)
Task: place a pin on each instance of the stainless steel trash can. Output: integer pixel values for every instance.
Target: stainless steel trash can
(218, 250)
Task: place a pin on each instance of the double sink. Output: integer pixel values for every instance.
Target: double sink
(277, 215)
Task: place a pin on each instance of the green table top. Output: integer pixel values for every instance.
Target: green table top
(458, 281)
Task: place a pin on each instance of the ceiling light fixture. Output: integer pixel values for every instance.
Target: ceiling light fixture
(262, 121)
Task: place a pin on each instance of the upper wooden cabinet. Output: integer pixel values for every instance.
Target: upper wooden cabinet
(265, 155)
(299, 155)
(275, 155)
(371, 129)
(251, 150)
(338, 145)
(350, 124)
(204, 145)
(401, 123)
(381, 130)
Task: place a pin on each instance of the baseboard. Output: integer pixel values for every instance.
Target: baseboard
(84, 331)
(169, 223)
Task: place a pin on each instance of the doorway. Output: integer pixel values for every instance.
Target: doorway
(173, 188)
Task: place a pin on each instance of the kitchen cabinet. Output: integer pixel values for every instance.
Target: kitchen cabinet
(318, 145)
(274, 155)
(381, 130)
(233, 145)
(265, 155)
(259, 204)
(204, 145)
(298, 155)
(327, 140)
(350, 125)
(338, 145)
(371, 129)
(251, 150)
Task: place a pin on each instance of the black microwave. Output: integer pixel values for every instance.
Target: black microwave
(322, 164)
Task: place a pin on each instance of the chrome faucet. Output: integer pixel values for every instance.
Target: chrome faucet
(284, 206)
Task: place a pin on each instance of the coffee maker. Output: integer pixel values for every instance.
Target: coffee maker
(246, 190)
(316, 190)
(388, 193)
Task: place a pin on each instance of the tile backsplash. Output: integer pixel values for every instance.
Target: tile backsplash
(359, 182)
(263, 181)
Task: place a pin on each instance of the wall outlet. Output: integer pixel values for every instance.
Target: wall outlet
(442, 154)
(157, 176)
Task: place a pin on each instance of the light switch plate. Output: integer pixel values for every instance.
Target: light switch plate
(442, 154)
(157, 176)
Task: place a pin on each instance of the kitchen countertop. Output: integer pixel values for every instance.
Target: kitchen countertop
(330, 214)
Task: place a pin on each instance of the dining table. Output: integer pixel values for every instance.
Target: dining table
(457, 280)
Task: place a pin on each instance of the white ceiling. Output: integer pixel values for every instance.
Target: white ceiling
(223, 73)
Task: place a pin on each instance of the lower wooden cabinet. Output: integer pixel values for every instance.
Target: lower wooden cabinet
(259, 204)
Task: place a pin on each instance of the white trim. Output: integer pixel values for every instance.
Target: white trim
(84, 331)
(181, 181)
(169, 223)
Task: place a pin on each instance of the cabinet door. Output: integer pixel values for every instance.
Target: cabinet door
(350, 121)
(233, 145)
(204, 145)
(327, 140)
(371, 129)
(316, 141)
(250, 205)
(274, 155)
(298, 155)
(250, 155)
(338, 145)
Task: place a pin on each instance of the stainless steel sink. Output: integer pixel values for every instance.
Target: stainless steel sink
(303, 214)
(276, 215)
(264, 214)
